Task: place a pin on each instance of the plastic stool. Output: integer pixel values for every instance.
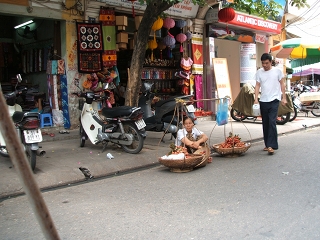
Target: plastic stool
(45, 120)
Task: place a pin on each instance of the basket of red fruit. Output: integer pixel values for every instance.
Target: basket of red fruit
(179, 160)
(232, 146)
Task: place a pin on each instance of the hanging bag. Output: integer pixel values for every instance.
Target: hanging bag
(222, 113)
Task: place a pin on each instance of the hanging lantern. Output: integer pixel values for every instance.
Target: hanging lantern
(152, 44)
(181, 24)
(132, 1)
(169, 41)
(189, 35)
(181, 37)
(157, 25)
(226, 15)
(161, 46)
(189, 23)
(168, 23)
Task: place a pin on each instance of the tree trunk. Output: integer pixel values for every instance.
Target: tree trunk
(153, 10)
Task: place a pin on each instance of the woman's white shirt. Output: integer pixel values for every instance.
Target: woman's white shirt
(183, 133)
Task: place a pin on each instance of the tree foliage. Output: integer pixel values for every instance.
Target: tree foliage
(155, 8)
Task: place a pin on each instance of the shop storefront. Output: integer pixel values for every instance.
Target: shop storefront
(241, 42)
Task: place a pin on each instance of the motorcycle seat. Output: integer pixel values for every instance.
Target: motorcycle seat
(18, 116)
(118, 111)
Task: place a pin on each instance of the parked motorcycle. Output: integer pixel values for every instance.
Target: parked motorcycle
(306, 107)
(164, 118)
(242, 106)
(122, 125)
(27, 126)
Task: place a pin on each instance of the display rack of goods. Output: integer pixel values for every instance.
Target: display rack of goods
(179, 160)
(231, 147)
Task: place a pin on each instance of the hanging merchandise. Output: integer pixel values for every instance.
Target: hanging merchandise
(189, 23)
(108, 19)
(132, 1)
(157, 25)
(169, 40)
(197, 53)
(226, 15)
(168, 23)
(161, 47)
(181, 37)
(186, 63)
(181, 24)
(152, 44)
(189, 36)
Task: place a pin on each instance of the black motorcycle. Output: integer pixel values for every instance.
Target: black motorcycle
(164, 115)
(27, 126)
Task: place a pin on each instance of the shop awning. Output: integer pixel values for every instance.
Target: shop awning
(306, 61)
(307, 72)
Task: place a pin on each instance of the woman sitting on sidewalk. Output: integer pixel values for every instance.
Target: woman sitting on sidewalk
(190, 137)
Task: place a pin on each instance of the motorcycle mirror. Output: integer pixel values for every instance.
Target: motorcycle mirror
(19, 78)
(147, 86)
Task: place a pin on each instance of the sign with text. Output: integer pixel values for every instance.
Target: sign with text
(248, 63)
(221, 73)
(249, 21)
(183, 9)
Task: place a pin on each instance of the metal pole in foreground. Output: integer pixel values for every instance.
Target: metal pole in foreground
(19, 160)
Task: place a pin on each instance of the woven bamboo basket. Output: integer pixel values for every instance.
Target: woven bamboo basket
(231, 152)
(182, 165)
(205, 152)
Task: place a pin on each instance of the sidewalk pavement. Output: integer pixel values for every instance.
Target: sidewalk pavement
(60, 165)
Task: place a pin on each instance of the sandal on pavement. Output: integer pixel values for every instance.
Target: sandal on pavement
(265, 149)
(51, 135)
(270, 150)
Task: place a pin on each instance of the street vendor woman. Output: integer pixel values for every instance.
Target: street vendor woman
(190, 137)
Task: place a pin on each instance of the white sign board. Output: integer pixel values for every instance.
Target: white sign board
(221, 74)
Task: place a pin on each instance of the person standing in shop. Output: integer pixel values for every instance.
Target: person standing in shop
(271, 82)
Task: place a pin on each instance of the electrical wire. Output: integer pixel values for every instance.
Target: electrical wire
(298, 18)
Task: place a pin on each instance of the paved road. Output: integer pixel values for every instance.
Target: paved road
(61, 164)
(255, 196)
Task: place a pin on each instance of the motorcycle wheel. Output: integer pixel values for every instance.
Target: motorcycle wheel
(31, 156)
(237, 116)
(294, 114)
(137, 143)
(4, 152)
(283, 119)
(82, 136)
(316, 109)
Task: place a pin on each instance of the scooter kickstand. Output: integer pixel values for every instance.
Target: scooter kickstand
(104, 146)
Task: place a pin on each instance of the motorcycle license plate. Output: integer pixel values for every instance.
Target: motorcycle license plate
(32, 136)
(140, 124)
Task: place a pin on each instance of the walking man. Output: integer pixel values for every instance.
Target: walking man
(271, 81)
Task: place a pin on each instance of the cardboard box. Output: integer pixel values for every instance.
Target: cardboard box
(122, 46)
(121, 21)
(122, 37)
(310, 96)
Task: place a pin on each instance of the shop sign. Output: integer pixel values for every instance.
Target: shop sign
(260, 38)
(248, 63)
(185, 9)
(212, 15)
(222, 78)
(256, 23)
